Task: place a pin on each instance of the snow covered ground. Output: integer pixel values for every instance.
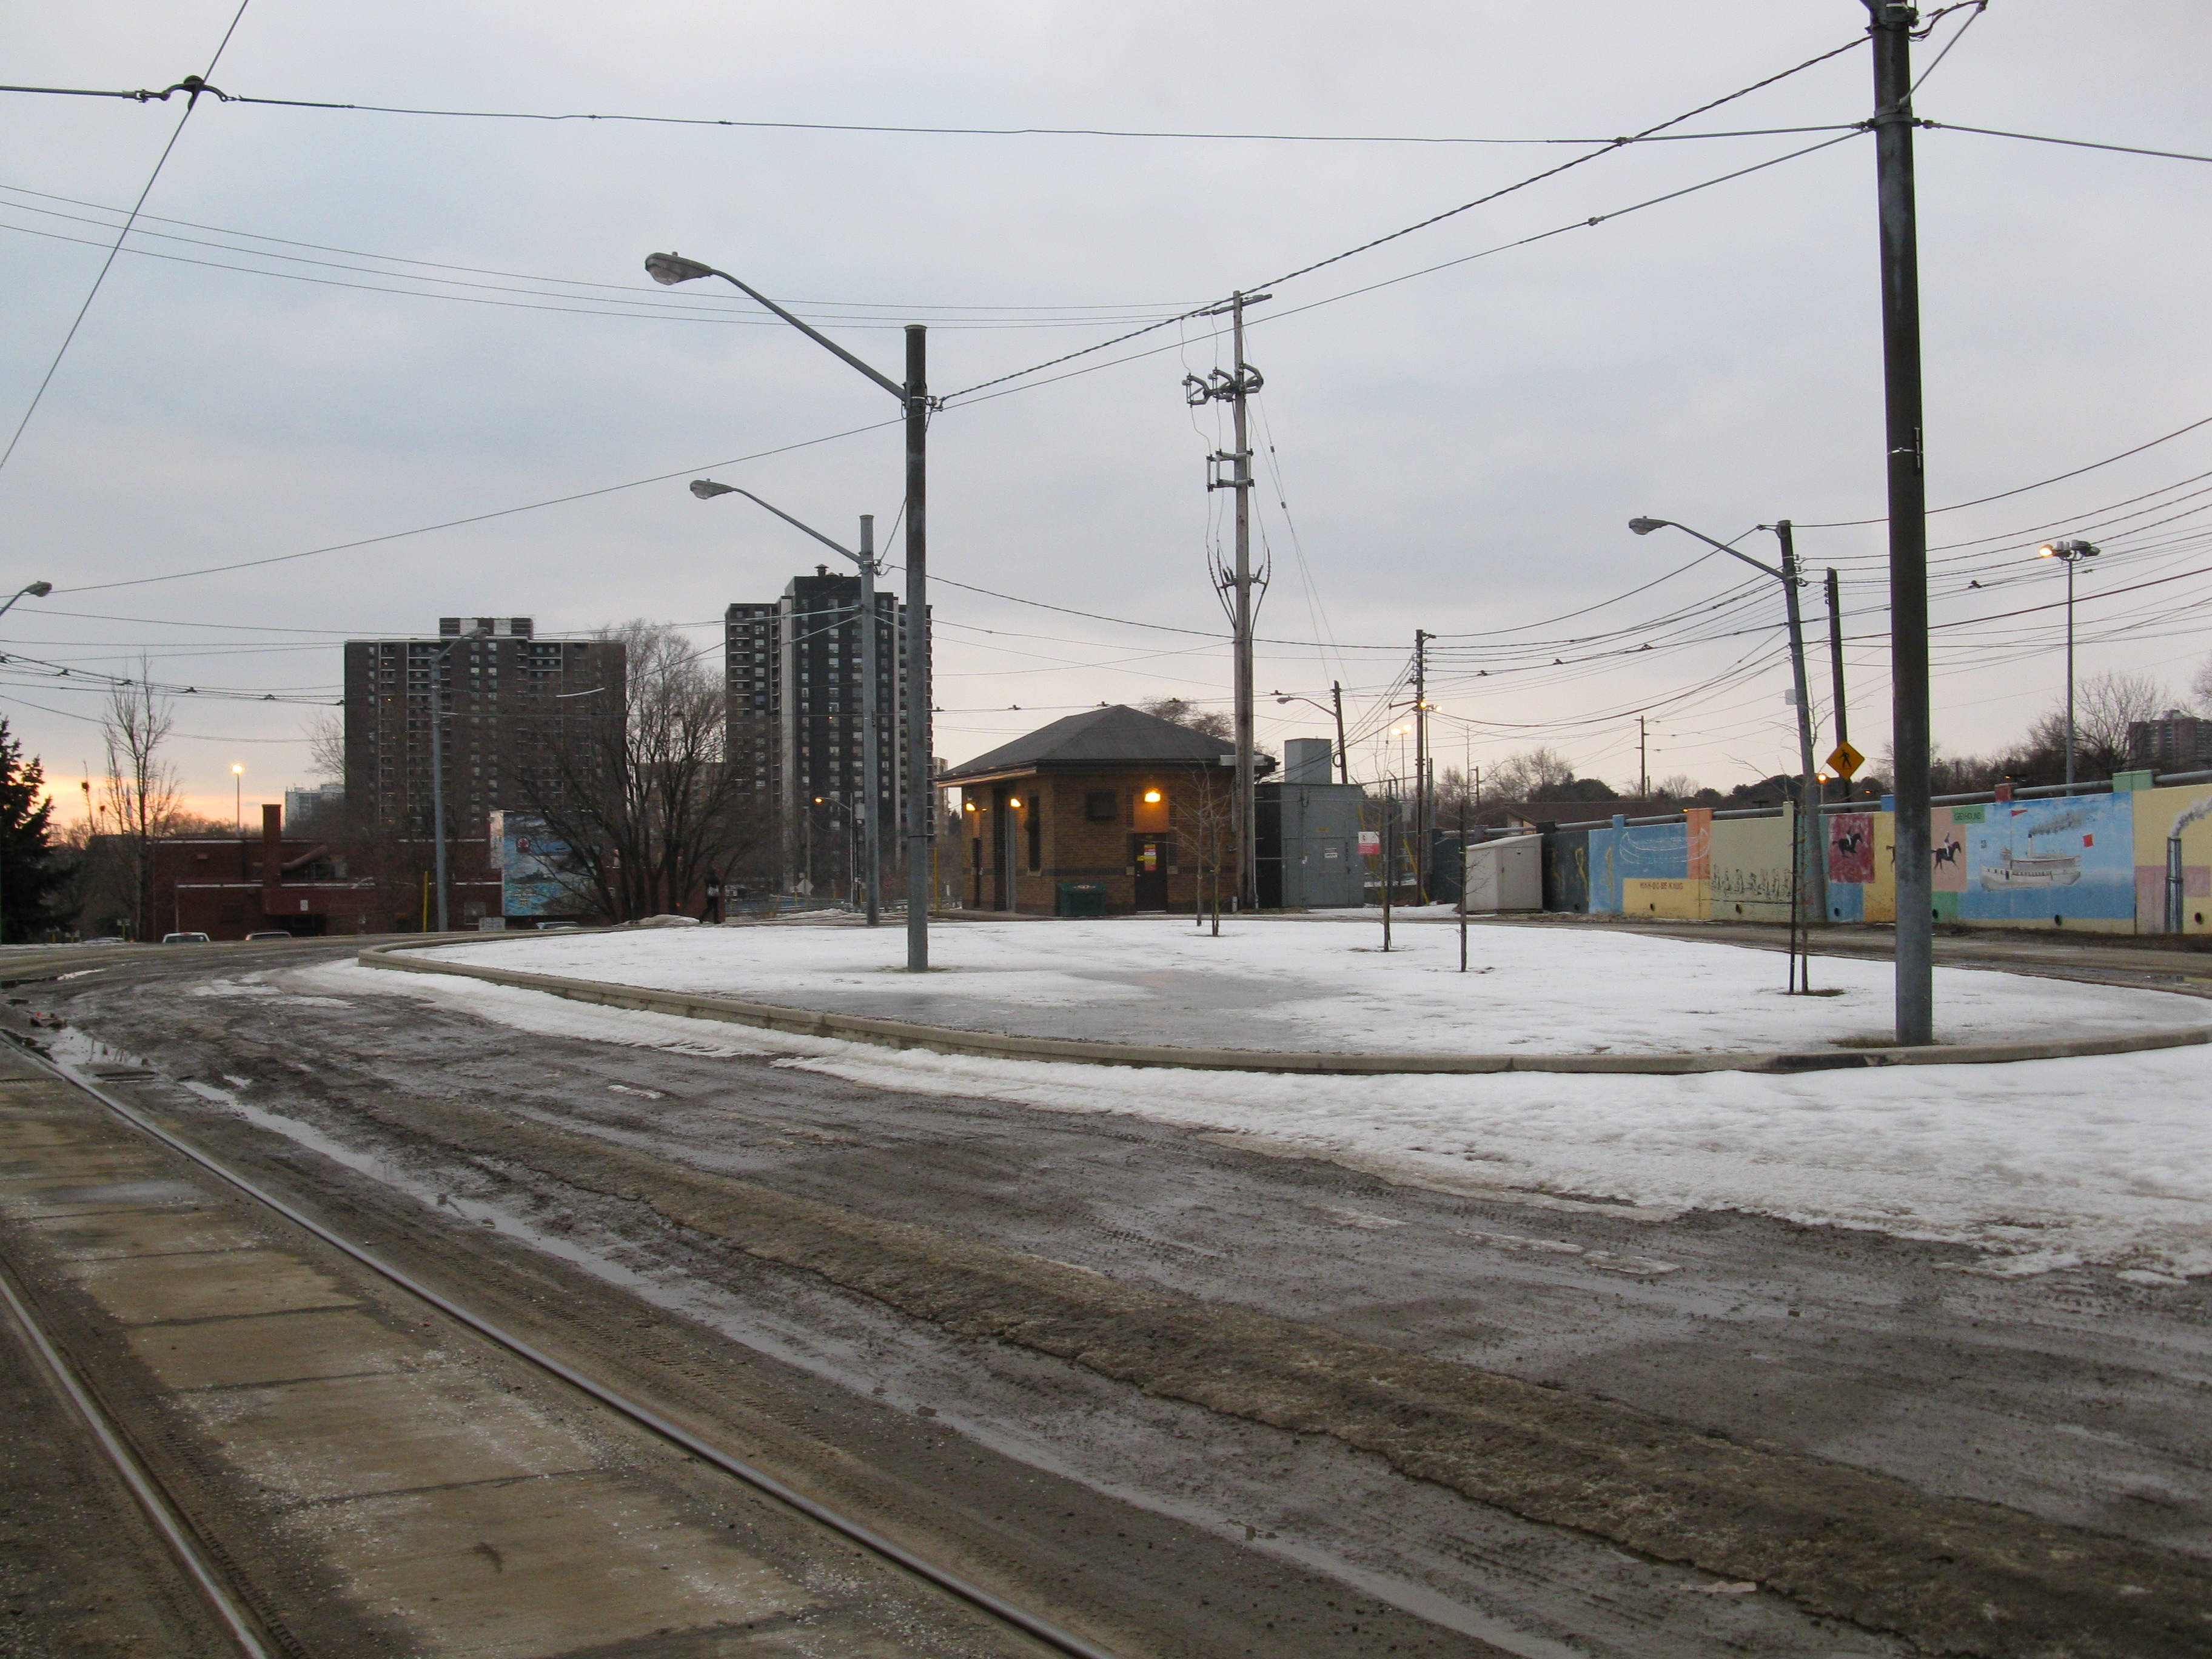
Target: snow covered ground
(1325, 984)
(2045, 1164)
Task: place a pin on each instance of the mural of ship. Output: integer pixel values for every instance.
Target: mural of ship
(2050, 870)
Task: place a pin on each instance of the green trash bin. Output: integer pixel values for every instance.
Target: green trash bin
(1082, 898)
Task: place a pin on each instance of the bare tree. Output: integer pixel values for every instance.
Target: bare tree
(2104, 709)
(1180, 711)
(1204, 815)
(139, 801)
(2201, 688)
(1532, 774)
(646, 802)
(327, 743)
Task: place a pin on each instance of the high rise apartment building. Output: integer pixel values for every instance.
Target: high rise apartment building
(522, 716)
(796, 720)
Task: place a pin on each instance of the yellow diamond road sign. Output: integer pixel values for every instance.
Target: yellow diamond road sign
(1845, 762)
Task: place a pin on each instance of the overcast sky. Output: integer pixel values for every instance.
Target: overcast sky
(1458, 450)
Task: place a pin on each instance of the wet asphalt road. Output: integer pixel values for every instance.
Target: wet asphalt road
(2075, 1398)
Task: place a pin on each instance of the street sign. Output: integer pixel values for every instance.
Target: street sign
(1845, 762)
(1370, 843)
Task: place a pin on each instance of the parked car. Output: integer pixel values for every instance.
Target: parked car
(183, 939)
(267, 932)
(557, 928)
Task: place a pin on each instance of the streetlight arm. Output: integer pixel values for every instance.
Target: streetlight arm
(706, 490)
(673, 269)
(1645, 526)
(36, 590)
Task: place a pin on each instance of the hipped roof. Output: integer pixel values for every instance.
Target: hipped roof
(1111, 737)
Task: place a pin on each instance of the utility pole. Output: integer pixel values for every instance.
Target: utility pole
(1234, 389)
(1890, 25)
(1421, 801)
(1643, 759)
(1814, 856)
(921, 799)
(1836, 670)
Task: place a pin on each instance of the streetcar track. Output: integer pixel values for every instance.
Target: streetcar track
(176, 1532)
(159, 1508)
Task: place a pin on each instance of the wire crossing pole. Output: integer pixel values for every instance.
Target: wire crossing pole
(920, 800)
(1890, 25)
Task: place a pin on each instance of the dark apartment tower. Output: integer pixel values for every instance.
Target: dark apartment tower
(794, 700)
(522, 715)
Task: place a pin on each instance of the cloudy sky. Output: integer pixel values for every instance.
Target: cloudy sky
(345, 327)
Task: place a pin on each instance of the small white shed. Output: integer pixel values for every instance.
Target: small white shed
(1505, 875)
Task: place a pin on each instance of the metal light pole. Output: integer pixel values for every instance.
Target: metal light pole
(913, 399)
(1334, 706)
(869, 565)
(238, 799)
(2073, 552)
(1890, 25)
(1811, 859)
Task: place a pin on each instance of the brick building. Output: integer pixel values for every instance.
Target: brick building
(228, 886)
(520, 713)
(1112, 796)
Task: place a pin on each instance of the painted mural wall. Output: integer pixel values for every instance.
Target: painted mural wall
(2130, 862)
(2173, 859)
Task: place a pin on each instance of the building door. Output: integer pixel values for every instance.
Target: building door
(1151, 854)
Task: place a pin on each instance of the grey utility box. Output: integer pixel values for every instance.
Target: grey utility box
(1308, 834)
(1505, 875)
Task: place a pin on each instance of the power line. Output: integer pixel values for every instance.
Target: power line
(148, 96)
(2074, 143)
(162, 161)
(479, 518)
(1610, 147)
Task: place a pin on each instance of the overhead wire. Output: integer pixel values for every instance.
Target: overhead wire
(99, 277)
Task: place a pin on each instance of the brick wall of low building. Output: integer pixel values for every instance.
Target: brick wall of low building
(1073, 845)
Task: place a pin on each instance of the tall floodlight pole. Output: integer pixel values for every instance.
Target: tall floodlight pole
(1235, 389)
(1890, 24)
(2072, 552)
(866, 807)
(1422, 806)
(913, 394)
(1811, 860)
(438, 668)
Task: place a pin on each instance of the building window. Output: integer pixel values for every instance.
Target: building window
(1102, 806)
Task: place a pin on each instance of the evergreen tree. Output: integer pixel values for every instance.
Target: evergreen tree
(30, 871)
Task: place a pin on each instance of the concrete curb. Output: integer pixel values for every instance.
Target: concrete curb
(950, 1040)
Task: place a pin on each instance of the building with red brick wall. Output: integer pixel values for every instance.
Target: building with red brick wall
(228, 886)
(1112, 798)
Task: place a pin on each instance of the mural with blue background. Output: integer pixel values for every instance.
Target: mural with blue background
(1645, 852)
(2033, 861)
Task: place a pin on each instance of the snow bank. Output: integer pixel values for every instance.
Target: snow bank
(2044, 1164)
(1324, 984)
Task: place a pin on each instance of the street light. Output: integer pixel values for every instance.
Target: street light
(1334, 706)
(2072, 552)
(438, 665)
(1810, 858)
(872, 797)
(913, 394)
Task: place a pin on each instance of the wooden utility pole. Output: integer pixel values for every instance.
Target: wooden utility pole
(1835, 668)
(1235, 389)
